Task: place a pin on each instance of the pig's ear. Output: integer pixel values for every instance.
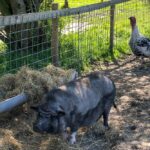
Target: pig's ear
(35, 108)
(60, 111)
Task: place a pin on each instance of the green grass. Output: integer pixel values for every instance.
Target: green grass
(93, 42)
(37, 60)
(77, 3)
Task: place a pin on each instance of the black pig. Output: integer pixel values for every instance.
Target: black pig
(76, 104)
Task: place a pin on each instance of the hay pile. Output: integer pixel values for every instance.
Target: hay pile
(34, 83)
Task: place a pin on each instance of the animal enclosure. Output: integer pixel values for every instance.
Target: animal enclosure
(70, 38)
(75, 38)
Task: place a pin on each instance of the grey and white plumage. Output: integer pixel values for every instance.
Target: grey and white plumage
(139, 44)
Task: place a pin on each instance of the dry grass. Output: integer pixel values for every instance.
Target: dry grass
(34, 83)
(130, 130)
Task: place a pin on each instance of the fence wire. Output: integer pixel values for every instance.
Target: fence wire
(79, 38)
(25, 44)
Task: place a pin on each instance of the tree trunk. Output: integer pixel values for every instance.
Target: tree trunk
(18, 6)
(66, 4)
(17, 35)
(5, 7)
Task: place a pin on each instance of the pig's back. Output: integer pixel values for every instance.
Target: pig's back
(87, 92)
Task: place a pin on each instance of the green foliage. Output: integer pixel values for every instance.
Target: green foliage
(3, 48)
(17, 59)
(69, 53)
(46, 5)
(79, 49)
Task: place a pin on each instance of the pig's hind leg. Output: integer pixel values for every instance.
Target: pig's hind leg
(105, 118)
(107, 107)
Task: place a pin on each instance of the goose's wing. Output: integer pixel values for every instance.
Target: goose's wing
(143, 42)
(142, 46)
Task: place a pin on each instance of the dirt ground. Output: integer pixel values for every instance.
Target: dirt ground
(129, 129)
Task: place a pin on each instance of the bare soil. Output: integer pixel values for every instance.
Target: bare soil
(129, 129)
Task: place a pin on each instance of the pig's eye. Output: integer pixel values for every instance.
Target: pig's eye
(44, 115)
(40, 114)
(47, 115)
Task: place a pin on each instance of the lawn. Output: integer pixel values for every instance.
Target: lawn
(78, 3)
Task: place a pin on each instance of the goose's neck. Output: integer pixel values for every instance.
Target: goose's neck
(135, 32)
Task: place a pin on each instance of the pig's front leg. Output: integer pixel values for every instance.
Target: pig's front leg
(72, 139)
(63, 128)
(69, 136)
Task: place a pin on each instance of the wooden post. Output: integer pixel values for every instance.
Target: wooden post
(54, 38)
(112, 22)
(66, 5)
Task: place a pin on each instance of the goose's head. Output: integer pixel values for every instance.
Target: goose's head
(132, 21)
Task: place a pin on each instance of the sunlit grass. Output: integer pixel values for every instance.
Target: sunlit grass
(78, 3)
(93, 41)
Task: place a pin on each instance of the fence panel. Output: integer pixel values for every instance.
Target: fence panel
(138, 8)
(25, 44)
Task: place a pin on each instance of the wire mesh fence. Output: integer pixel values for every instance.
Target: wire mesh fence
(25, 45)
(73, 38)
(141, 10)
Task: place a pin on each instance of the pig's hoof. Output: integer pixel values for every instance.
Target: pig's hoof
(106, 127)
(72, 141)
